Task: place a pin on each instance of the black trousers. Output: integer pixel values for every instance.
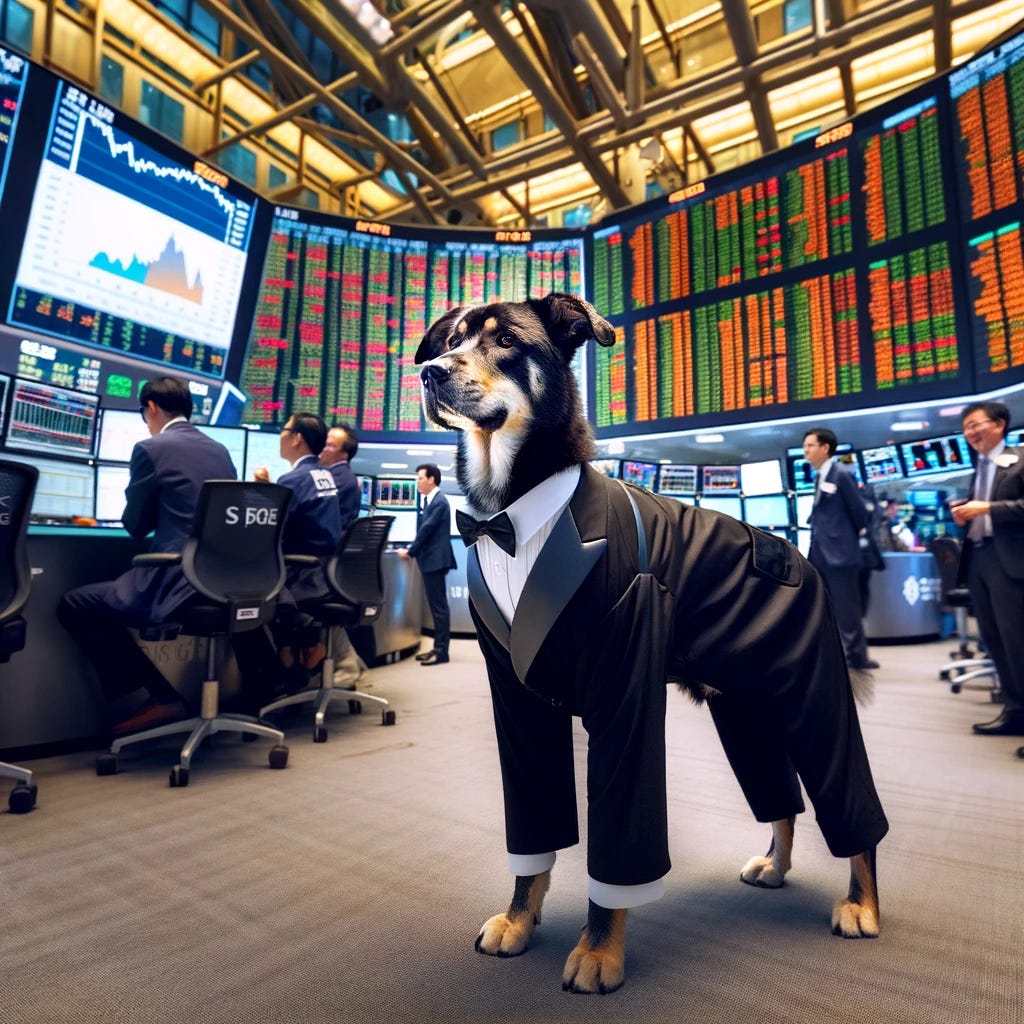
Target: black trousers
(999, 606)
(436, 589)
(844, 591)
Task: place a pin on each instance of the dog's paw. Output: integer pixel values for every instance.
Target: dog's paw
(764, 872)
(589, 971)
(854, 920)
(505, 936)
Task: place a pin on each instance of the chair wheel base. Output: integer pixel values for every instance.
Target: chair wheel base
(387, 717)
(179, 777)
(106, 764)
(279, 756)
(355, 707)
(955, 688)
(22, 798)
(319, 734)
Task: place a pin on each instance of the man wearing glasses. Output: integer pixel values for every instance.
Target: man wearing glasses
(992, 561)
(167, 470)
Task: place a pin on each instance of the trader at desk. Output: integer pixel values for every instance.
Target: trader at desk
(167, 471)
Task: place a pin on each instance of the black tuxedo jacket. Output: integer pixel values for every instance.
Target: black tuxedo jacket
(609, 614)
(1007, 498)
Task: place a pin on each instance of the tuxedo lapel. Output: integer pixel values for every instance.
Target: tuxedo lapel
(484, 603)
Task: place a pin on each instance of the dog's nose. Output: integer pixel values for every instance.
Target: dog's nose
(432, 373)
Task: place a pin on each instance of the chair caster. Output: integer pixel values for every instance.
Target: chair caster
(319, 733)
(106, 764)
(955, 688)
(355, 707)
(22, 798)
(387, 717)
(279, 756)
(179, 777)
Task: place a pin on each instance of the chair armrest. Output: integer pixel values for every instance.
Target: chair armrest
(301, 560)
(157, 558)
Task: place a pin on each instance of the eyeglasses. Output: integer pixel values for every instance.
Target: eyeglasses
(143, 409)
(976, 425)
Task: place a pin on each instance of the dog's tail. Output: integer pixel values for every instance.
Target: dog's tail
(862, 683)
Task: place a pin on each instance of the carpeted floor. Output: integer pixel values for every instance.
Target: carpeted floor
(350, 887)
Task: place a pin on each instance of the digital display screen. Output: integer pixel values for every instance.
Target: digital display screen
(403, 529)
(14, 70)
(804, 504)
(398, 494)
(881, 464)
(643, 474)
(607, 467)
(801, 472)
(678, 479)
(761, 477)
(768, 510)
(64, 490)
(120, 431)
(365, 490)
(129, 247)
(52, 420)
(111, 482)
(263, 448)
(935, 455)
(728, 506)
(343, 306)
(5, 383)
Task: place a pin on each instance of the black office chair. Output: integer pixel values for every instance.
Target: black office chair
(968, 664)
(233, 560)
(356, 579)
(17, 489)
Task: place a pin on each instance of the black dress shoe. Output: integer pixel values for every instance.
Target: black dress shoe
(434, 659)
(1020, 753)
(1009, 723)
(424, 655)
(867, 663)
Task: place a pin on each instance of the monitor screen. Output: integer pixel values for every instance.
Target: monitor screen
(803, 542)
(935, 455)
(804, 504)
(227, 411)
(771, 510)
(730, 506)
(65, 489)
(263, 448)
(852, 463)
(609, 467)
(675, 479)
(397, 493)
(131, 243)
(643, 474)
(120, 431)
(5, 383)
(365, 490)
(761, 477)
(403, 529)
(111, 482)
(881, 464)
(801, 472)
(51, 420)
(233, 438)
(720, 479)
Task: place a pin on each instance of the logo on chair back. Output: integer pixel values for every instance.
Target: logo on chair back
(244, 614)
(251, 515)
(5, 510)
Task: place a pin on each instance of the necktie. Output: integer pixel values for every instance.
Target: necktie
(499, 529)
(982, 488)
(817, 488)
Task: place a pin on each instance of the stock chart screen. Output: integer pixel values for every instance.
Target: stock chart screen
(13, 75)
(343, 306)
(130, 246)
(987, 94)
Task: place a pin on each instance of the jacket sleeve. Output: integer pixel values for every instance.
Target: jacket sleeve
(1007, 505)
(142, 495)
(434, 525)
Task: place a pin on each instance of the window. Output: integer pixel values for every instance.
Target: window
(112, 82)
(506, 135)
(159, 111)
(16, 23)
(239, 162)
(276, 177)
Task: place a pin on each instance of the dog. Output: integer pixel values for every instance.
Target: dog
(629, 592)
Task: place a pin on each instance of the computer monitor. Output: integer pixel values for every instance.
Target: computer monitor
(882, 464)
(227, 411)
(65, 489)
(403, 529)
(120, 431)
(935, 455)
(5, 383)
(48, 420)
(643, 474)
(397, 493)
(769, 510)
(111, 482)
(233, 438)
(263, 448)
(804, 504)
(609, 467)
(365, 490)
(676, 479)
(728, 505)
(720, 480)
(761, 477)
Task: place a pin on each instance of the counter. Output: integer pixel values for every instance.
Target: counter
(905, 598)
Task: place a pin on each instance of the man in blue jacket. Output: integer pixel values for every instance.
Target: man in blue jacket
(433, 552)
(167, 471)
(339, 451)
(838, 518)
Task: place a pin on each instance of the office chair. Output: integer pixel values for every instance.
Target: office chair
(355, 577)
(233, 559)
(967, 664)
(17, 489)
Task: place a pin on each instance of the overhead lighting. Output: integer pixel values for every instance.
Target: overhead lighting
(709, 438)
(616, 447)
(902, 426)
(415, 452)
(952, 410)
(394, 465)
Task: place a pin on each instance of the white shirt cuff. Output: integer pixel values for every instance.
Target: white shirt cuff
(530, 863)
(622, 897)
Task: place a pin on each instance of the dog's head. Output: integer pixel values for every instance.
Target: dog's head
(501, 365)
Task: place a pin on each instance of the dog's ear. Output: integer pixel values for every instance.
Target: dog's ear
(570, 322)
(435, 341)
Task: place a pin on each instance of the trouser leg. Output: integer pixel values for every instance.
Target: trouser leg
(436, 589)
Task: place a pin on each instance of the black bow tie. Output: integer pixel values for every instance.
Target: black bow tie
(499, 529)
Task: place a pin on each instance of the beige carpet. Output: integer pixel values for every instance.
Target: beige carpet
(350, 887)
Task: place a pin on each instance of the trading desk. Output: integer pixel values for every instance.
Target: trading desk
(905, 598)
(48, 697)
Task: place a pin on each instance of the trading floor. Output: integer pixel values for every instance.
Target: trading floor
(350, 886)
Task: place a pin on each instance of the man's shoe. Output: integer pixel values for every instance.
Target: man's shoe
(424, 655)
(866, 664)
(150, 715)
(434, 659)
(1020, 753)
(1009, 723)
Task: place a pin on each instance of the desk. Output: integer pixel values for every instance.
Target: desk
(905, 598)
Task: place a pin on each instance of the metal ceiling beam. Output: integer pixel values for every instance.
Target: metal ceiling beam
(740, 26)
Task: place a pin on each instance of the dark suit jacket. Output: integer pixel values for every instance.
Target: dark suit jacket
(167, 472)
(432, 547)
(720, 603)
(348, 492)
(836, 521)
(1007, 498)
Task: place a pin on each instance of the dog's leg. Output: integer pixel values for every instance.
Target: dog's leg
(508, 934)
(857, 916)
(598, 963)
(769, 871)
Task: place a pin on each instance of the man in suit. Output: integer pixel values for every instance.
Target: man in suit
(992, 559)
(166, 473)
(435, 557)
(838, 518)
(339, 450)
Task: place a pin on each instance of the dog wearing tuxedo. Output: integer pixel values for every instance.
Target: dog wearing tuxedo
(589, 596)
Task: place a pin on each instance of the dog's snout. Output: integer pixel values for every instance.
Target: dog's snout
(432, 373)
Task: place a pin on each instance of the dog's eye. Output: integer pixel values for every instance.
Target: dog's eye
(506, 340)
